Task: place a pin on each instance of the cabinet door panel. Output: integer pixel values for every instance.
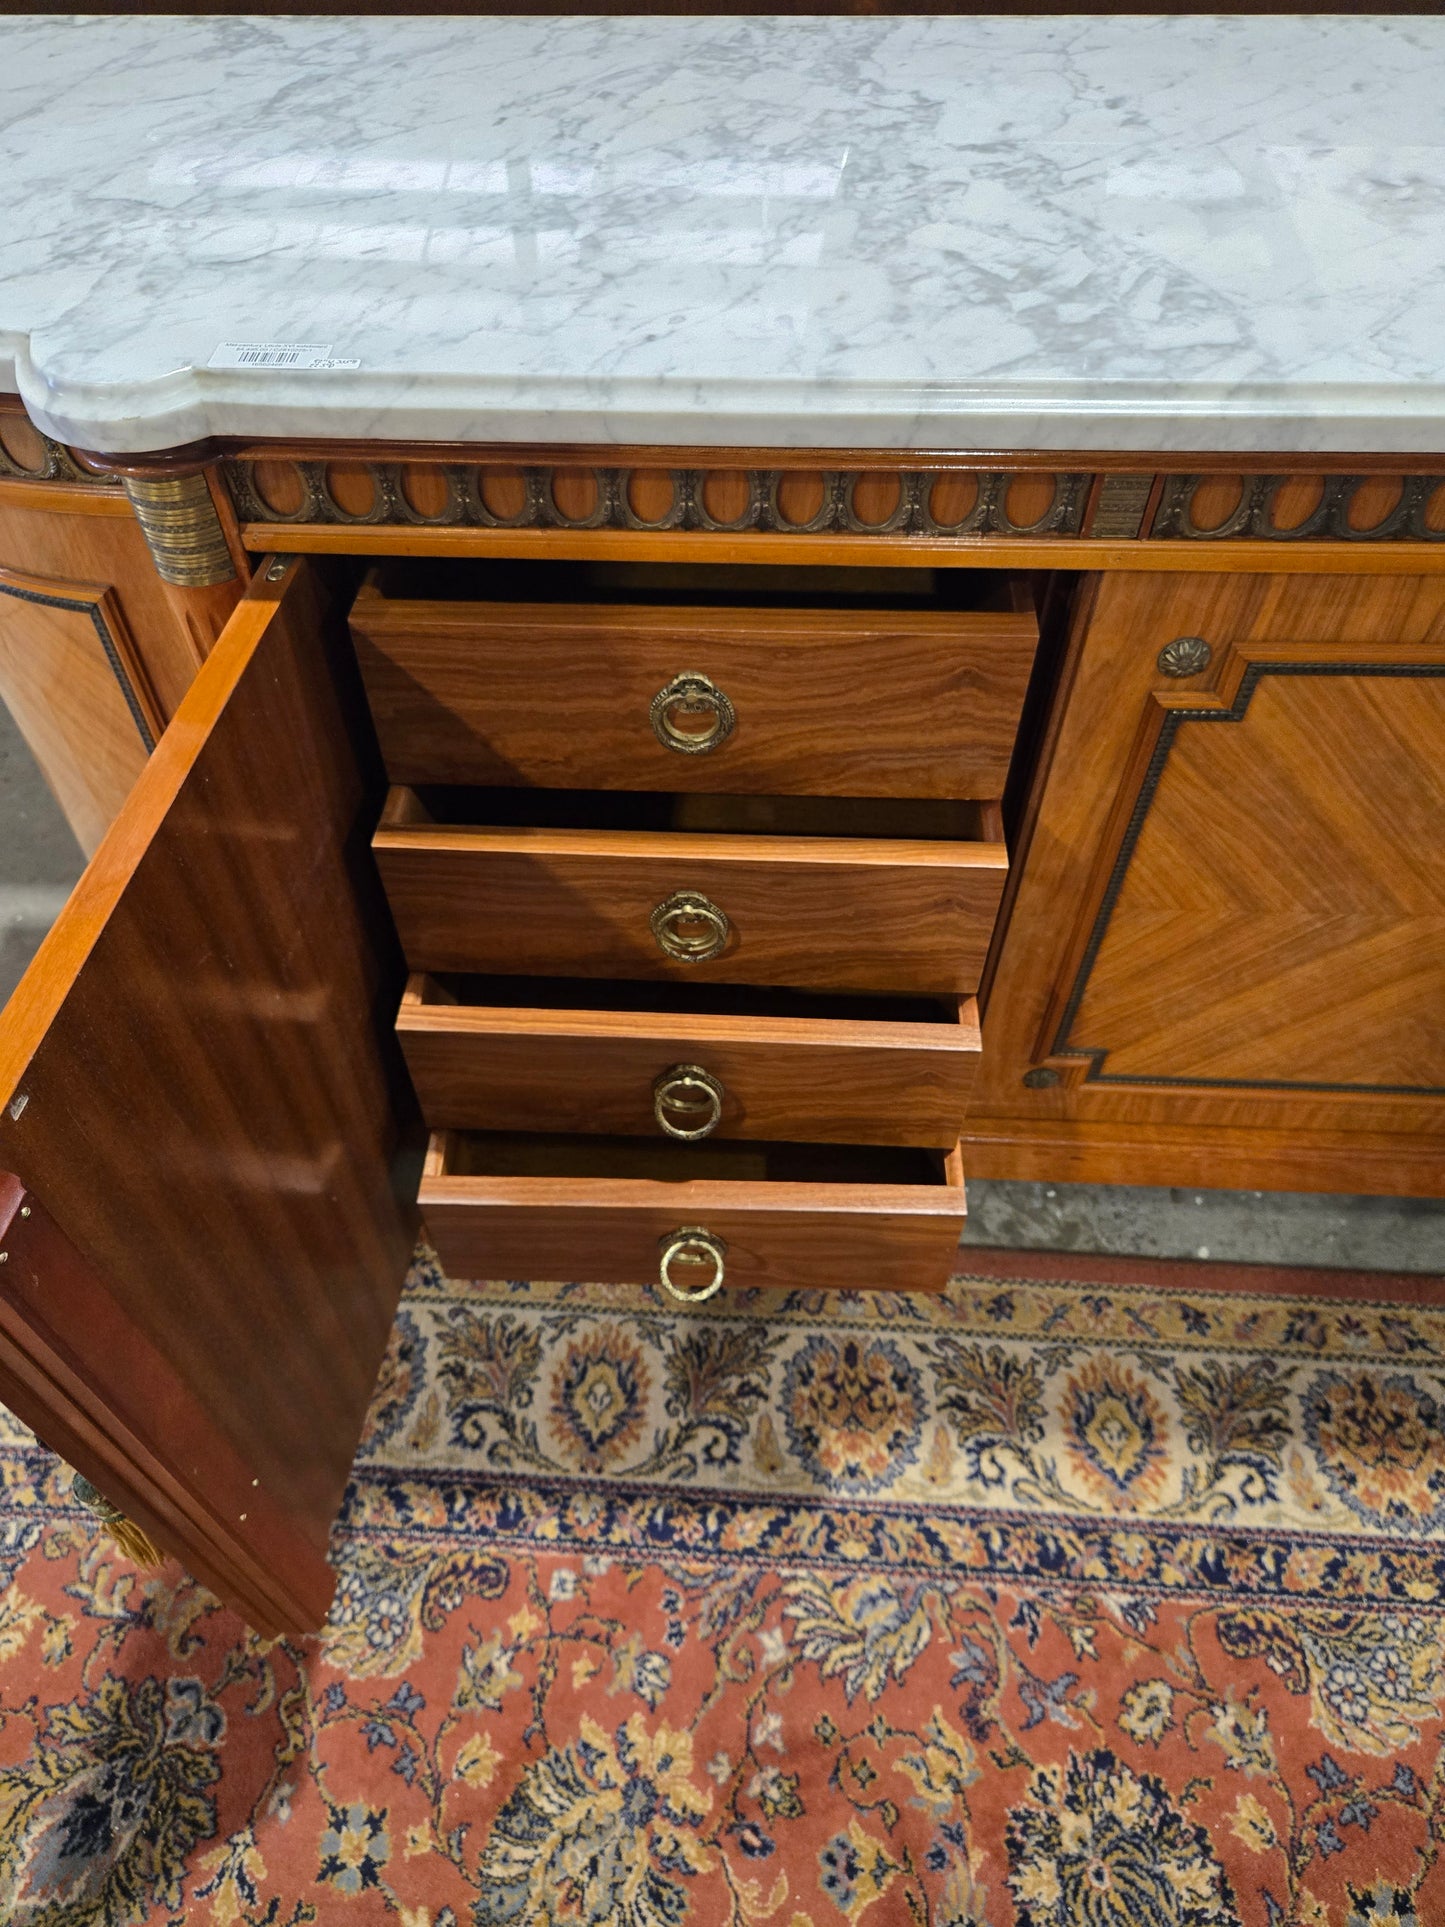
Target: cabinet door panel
(76, 699)
(197, 1086)
(1225, 959)
(1288, 863)
(93, 655)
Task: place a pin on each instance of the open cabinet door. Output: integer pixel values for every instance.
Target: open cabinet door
(210, 1206)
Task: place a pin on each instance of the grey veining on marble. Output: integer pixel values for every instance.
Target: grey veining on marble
(1181, 232)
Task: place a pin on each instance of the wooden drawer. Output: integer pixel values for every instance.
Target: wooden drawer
(652, 1061)
(604, 1210)
(840, 701)
(881, 913)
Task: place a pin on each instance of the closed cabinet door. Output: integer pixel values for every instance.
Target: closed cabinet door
(201, 1173)
(1225, 963)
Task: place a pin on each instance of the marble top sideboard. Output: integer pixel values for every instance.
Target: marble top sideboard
(1145, 233)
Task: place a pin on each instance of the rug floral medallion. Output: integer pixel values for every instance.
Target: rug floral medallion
(1044, 1604)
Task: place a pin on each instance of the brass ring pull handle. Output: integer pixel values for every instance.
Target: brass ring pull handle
(691, 696)
(690, 1245)
(687, 1102)
(689, 927)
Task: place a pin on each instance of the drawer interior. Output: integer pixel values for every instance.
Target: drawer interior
(500, 1154)
(452, 989)
(697, 585)
(931, 820)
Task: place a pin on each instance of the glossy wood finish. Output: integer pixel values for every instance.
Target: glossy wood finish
(70, 678)
(1329, 954)
(538, 1222)
(1110, 1150)
(828, 702)
(92, 658)
(1226, 959)
(816, 1079)
(77, 1368)
(197, 1082)
(819, 913)
(1329, 558)
(173, 627)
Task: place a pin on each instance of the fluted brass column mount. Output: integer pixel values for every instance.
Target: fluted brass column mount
(181, 526)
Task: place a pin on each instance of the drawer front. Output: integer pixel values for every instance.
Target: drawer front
(632, 1073)
(800, 702)
(816, 913)
(839, 1237)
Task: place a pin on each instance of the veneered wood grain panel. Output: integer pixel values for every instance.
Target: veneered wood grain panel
(1093, 763)
(1198, 1155)
(195, 1074)
(831, 1237)
(62, 1334)
(827, 702)
(812, 1079)
(88, 537)
(82, 708)
(1290, 866)
(820, 913)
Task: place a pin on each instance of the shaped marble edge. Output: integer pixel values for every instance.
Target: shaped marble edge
(193, 405)
(1156, 234)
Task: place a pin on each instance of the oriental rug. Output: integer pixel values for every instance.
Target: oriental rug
(1096, 1593)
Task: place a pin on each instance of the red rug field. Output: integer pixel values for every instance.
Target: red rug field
(1094, 1594)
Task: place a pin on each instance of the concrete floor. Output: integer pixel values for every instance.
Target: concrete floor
(39, 859)
(39, 862)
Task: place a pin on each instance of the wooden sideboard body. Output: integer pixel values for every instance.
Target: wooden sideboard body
(1219, 957)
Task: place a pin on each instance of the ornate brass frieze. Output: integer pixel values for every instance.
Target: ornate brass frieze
(1253, 516)
(611, 491)
(795, 501)
(57, 465)
(180, 523)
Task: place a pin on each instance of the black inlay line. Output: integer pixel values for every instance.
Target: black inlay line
(107, 643)
(1063, 1046)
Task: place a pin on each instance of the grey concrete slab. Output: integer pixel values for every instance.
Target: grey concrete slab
(1238, 1227)
(39, 857)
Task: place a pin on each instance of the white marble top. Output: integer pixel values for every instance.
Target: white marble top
(1177, 232)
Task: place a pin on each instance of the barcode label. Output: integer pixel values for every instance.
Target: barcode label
(278, 354)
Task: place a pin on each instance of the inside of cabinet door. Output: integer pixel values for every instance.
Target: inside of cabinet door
(201, 1106)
